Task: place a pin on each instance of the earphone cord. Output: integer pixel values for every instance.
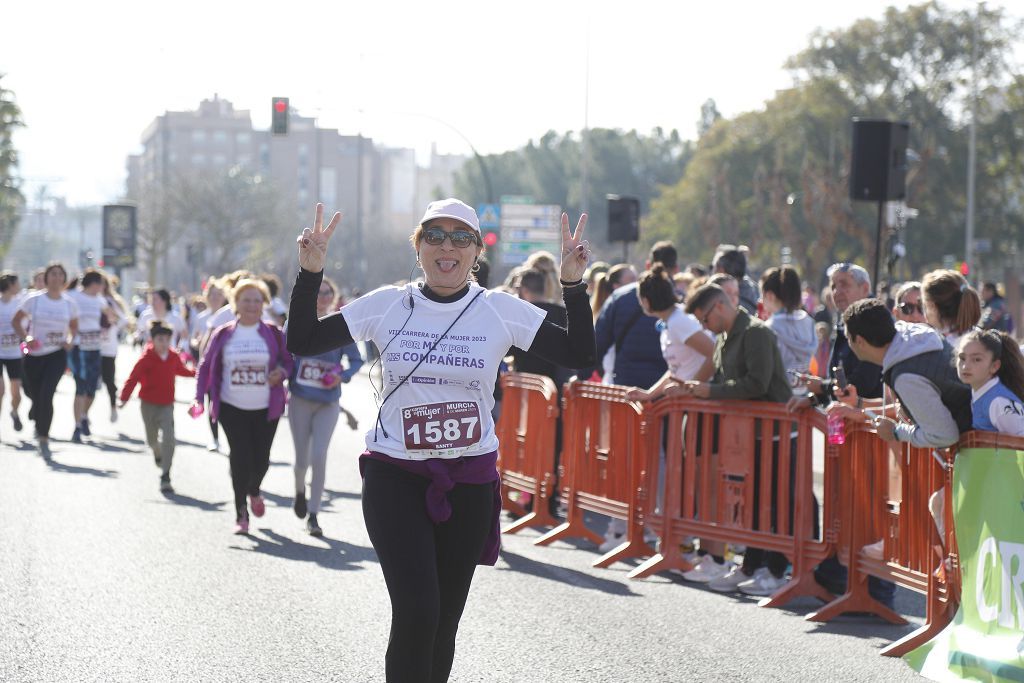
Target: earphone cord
(423, 357)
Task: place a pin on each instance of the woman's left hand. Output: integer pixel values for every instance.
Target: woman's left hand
(575, 250)
(275, 377)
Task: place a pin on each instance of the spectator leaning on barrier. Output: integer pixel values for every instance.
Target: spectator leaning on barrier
(848, 283)
(794, 329)
(918, 365)
(732, 260)
(623, 326)
(994, 315)
(748, 366)
(951, 305)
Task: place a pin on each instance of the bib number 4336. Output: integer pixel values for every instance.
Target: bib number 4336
(444, 426)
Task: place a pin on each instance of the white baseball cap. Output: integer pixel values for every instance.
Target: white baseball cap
(452, 208)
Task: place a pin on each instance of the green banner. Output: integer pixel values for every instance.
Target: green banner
(985, 641)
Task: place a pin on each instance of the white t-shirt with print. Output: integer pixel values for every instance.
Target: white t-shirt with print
(245, 361)
(10, 342)
(443, 410)
(683, 361)
(170, 319)
(49, 320)
(90, 307)
(222, 315)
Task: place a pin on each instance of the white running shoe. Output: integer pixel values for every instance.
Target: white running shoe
(730, 581)
(707, 570)
(874, 551)
(611, 542)
(762, 583)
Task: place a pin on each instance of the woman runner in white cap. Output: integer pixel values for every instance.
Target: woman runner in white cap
(430, 488)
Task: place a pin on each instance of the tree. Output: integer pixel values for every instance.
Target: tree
(550, 170)
(779, 176)
(11, 199)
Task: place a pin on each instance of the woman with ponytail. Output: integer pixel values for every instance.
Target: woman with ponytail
(782, 300)
(951, 305)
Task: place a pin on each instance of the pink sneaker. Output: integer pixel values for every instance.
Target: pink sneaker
(257, 505)
(242, 525)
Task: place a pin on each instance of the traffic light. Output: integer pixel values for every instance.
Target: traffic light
(490, 238)
(279, 116)
(965, 268)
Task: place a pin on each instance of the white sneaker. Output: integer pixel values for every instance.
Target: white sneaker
(707, 570)
(611, 543)
(213, 446)
(762, 583)
(730, 581)
(874, 551)
(113, 414)
(692, 557)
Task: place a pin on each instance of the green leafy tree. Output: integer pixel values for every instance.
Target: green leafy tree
(550, 170)
(779, 176)
(11, 199)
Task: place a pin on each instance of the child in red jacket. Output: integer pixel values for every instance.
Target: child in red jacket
(155, 371)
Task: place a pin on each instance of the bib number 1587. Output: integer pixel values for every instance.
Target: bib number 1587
(441, 426)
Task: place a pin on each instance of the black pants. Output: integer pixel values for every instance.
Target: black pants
(250, 436)
(42, 374)
(428, 568)
(776, 562)
(107, 373)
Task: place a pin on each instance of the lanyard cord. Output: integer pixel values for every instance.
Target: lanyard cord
(423, 357)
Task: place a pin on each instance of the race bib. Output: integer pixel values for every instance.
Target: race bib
(311, 372)
(55, 338)
(248, 375)
(441, 429)
(90, 340)
(9, 341)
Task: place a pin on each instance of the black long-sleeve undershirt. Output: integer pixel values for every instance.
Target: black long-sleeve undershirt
(572, 346)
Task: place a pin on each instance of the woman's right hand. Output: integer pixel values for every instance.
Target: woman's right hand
(313, 241)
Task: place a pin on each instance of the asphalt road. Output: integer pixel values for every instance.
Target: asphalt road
(103, 578)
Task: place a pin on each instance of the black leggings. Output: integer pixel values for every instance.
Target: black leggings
(428, 568)
(42, 374)
(107, 370)
(249, 435)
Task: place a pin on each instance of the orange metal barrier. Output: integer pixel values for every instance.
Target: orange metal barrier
(885, 496)
(733, 471)
(526, 455)
(602, 465)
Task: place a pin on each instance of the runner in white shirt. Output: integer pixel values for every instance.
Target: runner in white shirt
(10, 353)
(160, 309)
(86, 358)
(430, 499)
(46, 321)
(112, 339)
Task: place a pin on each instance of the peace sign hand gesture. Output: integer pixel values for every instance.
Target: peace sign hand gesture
(313, 241)
(575, 250)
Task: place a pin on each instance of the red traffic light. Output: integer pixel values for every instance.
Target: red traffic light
(490, 238)
(280, 105)
(964, 268)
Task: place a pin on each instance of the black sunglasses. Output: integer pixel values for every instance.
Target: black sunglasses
(459, 238)
(907, 308)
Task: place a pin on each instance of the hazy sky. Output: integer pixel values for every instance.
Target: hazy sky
(90, 77)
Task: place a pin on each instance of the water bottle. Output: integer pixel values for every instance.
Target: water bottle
(836, 430)
(331, 376)
(30, 344)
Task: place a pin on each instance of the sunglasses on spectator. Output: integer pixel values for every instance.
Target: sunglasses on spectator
(460, 238)
(325, 292)
(907, 308)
